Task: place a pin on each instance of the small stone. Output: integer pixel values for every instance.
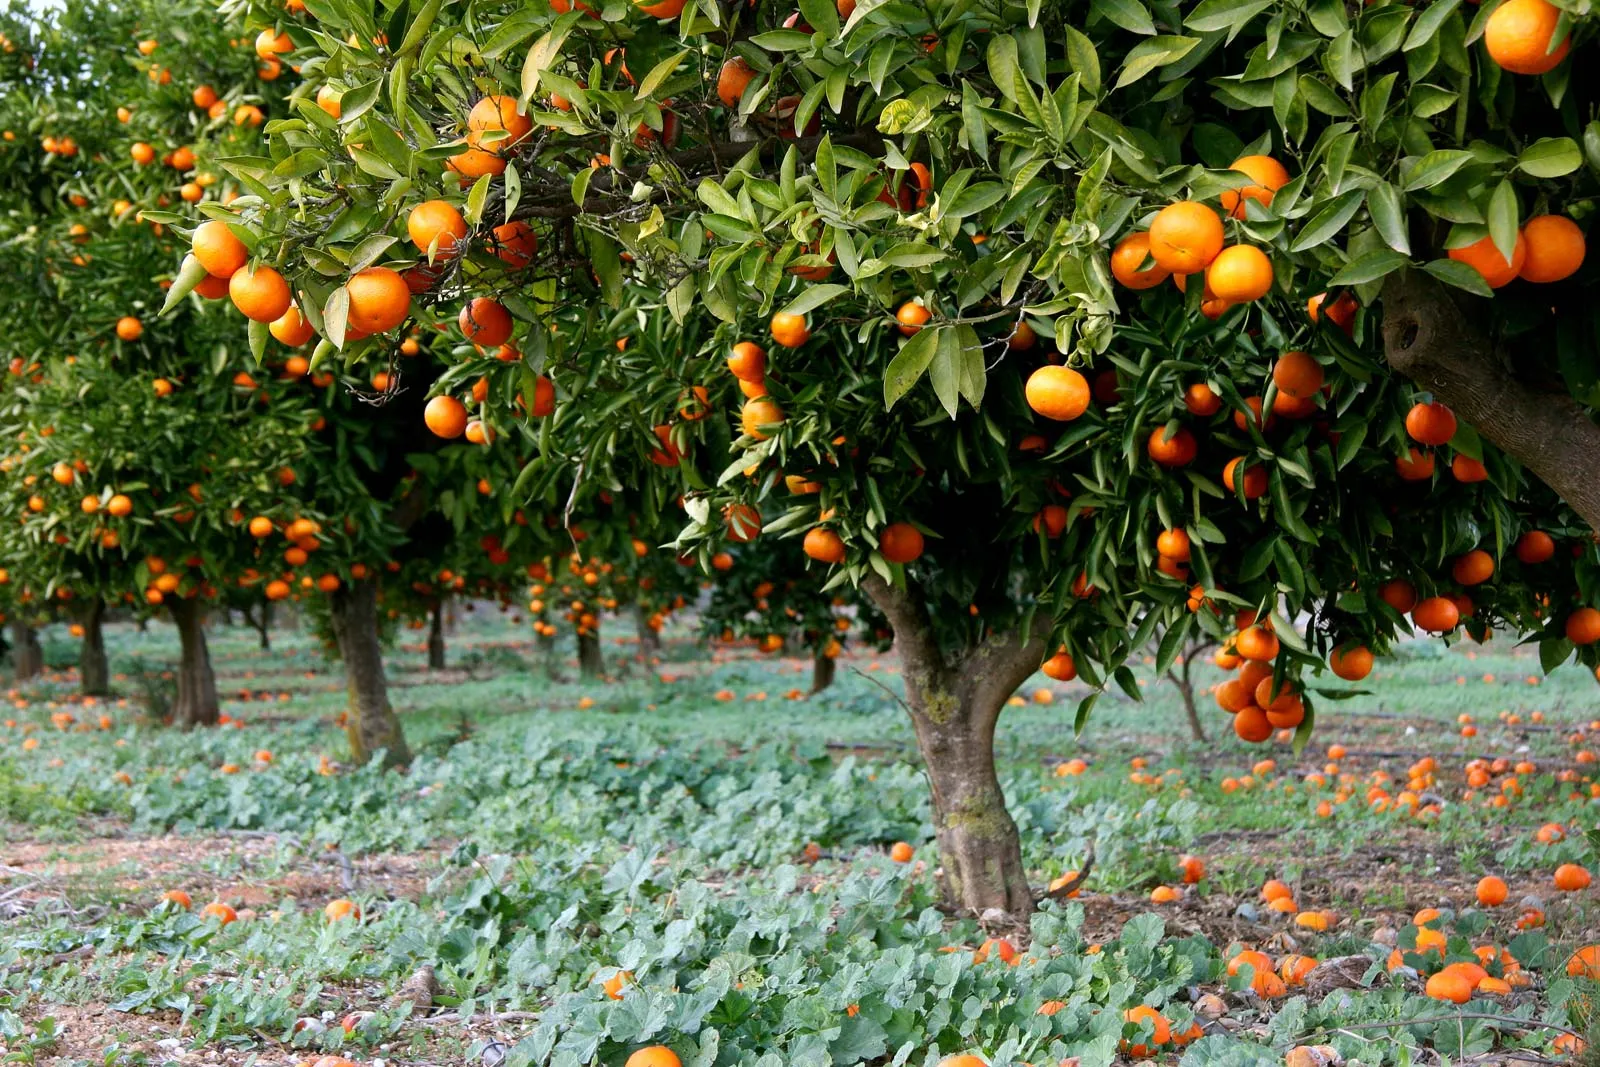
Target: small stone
(1248, 912)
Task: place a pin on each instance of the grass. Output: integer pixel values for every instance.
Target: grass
(552, 834)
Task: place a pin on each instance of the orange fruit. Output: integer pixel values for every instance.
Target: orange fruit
(475, 163)
(1342, 312)
(497, 113)
(330, 100)
(270, 45)
(436, 224)
(1414, 466)
(789, 330)
(1467, 470)
(1535, 546)
(1059, 393)
(1473, 568)
(1174, 544)
(142, 153)
(912, 316)
(515, 243)
(900, 542)
(1268, 177)
(1519, 35)
(1585, 963)
(732, 80)
(1251, 724)
(485, 322)
(654, 1056)
(379, 300)
(129, 328)
(1351, 662)
(759, 415)
(1128, 257)
(823, 545)
(1431, 424)
(748, 362)
(1255, 478)
(219, 911)
(1555, 248)
(1060, 667)
(1201, 400)
(1483, 257)
(217, 249)
(1436, 614)
(1298, 375)
(178, 897)
(291, 328)
(1492, 891)
(1450, 985)
(1160, 1030)
(1239, 274)
(261, 294)
(1583, 626)
(1185, 237)
(445, 416)
(1399, 594)
(1570, 878)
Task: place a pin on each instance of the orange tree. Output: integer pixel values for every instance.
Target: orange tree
(948, 253)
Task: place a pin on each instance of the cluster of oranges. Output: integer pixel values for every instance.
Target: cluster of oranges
(1259, 703)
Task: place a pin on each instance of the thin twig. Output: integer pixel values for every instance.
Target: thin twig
(896, 697)
(1073, 884)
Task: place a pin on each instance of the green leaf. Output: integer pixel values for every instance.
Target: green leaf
(782, 40)
(660, 72)
(1080, 719)
(1388, 217)
(1131, 15)
(257, 333)
(1328, 222)
(1435, 167)
(299, 164)
(1550, 157)
(909, 364)
(1147, 56)
(946, 369)
(1453, 272)
(359, 100)
(1503, 218)
(190, 275)
(813, 297)
(373, 164)
(1211, 15)
(417, 32)
(1083, 59)
(477, 197)
(1369, 267)
(1428, 23)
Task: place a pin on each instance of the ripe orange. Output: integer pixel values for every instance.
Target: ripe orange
(261, 294)
(1298, 375)
(379, 300)
(270, 45)
(759, 415)
(1240, 274)
(1555, 248)
(1185, 237)
(1251, 724)
(1585, 963)
(331, 101)
(475, 163)
(1201, 400)
(789, 330)
(912, 316)
(219, 911)
(1269, 176)
(1466, 470)
(217, 249)
(900, 542)
(1174, 544)
(142, 153)
(1437, 614)
(515, 243)
(1127, 258)
(823, 545)
(1059, 393)
(1483, 257)
(129, 328)
(1342, 312)
(445, 416)
(1060, 667)
(178, 897)
(748, 362)
(260, 526)
(1351, 662)
(1431, 424)
(732, 80)
(1570, 878)
(1535, 546)
(1177, 451)
(1257, 643)
(1473, 568)
(485, 322)
(1519, 35)
(1414, 466)
(1450, 985)
(1255, 478)
(1583, 626)
(341, 908)
(654, 1056)
(291, 329)
(436, 224)
(496, 113)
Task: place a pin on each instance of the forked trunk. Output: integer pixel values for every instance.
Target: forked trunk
(370, 721)
(823, 669)
(591, 661)
(197, 703)
(649, 640)
(955, 703)
(94, 672)
(436, 638)
(27, 658)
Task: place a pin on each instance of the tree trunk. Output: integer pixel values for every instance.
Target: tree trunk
(1438, 343)
(371, 723)
(197, 703)
(547, 652)
(27, 658)
(955, 703)
(94, 672)
(591, 660)
(823, 668)
(649, 640)
(436, 638)
(263, 625)
(1185, 686)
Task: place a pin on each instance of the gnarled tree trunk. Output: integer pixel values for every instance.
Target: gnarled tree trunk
(436, 637)
(591, 660)
(371, 723)
(94, 672)
(955, 703)
(197, 703)
(1438, 342)
(823, 669)
(649, 640)
(27, 658)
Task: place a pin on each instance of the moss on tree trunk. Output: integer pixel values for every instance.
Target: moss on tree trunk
(370, 723)
(197, 703)
(955, 701)
(94, 671)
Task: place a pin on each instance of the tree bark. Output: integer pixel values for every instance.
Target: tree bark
(370, 723)
(436, 637)
(1184, 681)
(197, 703)
(547, 653)
(823, 669)
(1438, 343)
(27, 658)
(261, 624)
(591, 660)
(955, 703)
(94, 672)
(649, 640)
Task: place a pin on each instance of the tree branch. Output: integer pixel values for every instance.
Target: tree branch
(913, 626)
(1430, 339)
